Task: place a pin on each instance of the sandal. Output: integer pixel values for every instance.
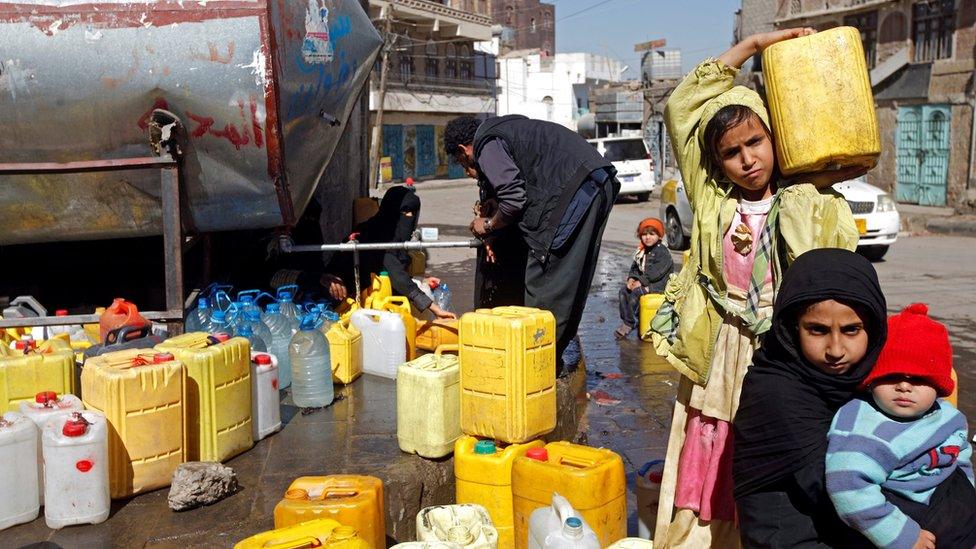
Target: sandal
(622, 331)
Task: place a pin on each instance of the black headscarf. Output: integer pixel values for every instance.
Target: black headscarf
(787, 404)
(390, 224)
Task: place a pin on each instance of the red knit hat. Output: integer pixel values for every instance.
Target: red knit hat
(917, 346)
(652, 223)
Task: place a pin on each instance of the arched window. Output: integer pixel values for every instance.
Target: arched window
(465, 58)
(431, 67)
(509, 15)
(406, 65)
(450, 63)
(532, 25)
(547, 20)
(547, 101)
(894, 28)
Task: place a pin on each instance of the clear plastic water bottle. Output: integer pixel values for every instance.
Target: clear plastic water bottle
(197, 320)
(248, 301)
(442, 297)
(288, 307)
(281, 334)
(311, 366)
(218, 323)
(257, 344)
(252, 318)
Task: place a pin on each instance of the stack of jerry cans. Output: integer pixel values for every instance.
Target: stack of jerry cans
(508, 373)
(142, 394)
(351, 500)
(218, 394)
(428, 404)
(48, 368)
(592, 479)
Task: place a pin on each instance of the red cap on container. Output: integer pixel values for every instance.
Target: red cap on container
(44, 397)
(540, 454)
(20, 345)
(262, 359)
(61, 312)
(221, 337)
(160, 358)
(75, 426)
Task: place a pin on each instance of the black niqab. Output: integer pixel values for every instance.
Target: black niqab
(787, 404)
(390, 224)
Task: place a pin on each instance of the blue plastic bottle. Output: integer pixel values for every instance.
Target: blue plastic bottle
(288, 308)
(257, 344)
(281, 334)
(311, 366)
(198, 318)
(442, 297)
(218, 323)
(252, 318)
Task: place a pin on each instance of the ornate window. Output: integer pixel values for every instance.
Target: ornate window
(465, 63)
(431, 67)
(933, 24)
(451, 63)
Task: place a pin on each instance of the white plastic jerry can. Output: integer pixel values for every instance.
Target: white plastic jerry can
(384, 342)
(466, 524)
(427, 545)
(76, 487)
(45, 405)
(19, 502)
(560, 526)
(265, 399)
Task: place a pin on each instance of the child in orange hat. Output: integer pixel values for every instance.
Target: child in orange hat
(648, 273)
(898, 463)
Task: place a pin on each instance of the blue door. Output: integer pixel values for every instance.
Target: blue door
(393, 147)
(923, 154)
(426, 151)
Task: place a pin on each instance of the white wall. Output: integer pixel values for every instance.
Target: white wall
(523, 86)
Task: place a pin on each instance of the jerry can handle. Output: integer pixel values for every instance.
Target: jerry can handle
(243, 293)
(300, 543)
(447, 347)
(121, 334)
(578, 462)
(339, 493)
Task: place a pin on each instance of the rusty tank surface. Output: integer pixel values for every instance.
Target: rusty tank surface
(263, 88)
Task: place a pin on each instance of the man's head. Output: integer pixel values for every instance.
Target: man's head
(459, 142)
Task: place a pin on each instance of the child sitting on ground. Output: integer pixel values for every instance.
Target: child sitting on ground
(898, 459)
(648, 273)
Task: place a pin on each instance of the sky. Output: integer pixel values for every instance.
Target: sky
(701, 28)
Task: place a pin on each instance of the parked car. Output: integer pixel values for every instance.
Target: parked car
(875, 214)
(635, 169)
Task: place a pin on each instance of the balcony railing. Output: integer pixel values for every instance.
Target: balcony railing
(417, 81)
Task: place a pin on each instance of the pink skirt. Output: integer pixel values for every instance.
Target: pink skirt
(704, 483)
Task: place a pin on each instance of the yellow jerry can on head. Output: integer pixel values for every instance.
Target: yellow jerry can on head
(353, 500)
(345, 351)
(592, 479)
(820, 103)
(483, 475)
(218, 394)
(317, 533)
(508, 373)
(50, 367)
(431, 334)
(142, 394)
(649, 304)
(429, 404)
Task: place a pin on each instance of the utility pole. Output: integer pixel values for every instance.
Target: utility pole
(374, 144)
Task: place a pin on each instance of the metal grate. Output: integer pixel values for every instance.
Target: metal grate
(861, 207)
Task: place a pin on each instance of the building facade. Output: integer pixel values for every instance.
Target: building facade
(529, 24)
(920, 54)
(556, 88)
(435, 73)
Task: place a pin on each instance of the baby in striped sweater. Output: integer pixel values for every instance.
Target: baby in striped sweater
(898, 465)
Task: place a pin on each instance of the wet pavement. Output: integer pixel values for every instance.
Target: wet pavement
(631, 393)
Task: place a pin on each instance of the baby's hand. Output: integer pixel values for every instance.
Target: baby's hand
(926, 540)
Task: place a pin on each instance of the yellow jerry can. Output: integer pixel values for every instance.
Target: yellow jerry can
(218, 394)
(820, 103)
(431, 334)
(345, 351)
(48, 368)
(314, 533)
(592, 479)
(508, 373)
(352, 500)
(142, 394)
(483, 475)
(429, 404)
(649, 304)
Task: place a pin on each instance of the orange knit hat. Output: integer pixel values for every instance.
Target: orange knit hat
(652, 223)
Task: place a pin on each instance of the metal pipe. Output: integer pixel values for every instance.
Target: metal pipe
(356, 246)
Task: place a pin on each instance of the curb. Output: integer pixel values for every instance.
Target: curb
(957, 225)
(433, 184)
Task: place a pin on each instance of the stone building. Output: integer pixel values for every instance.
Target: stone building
(435, 74)
(920, 54)
(529, 24)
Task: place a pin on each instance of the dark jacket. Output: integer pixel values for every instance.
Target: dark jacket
(553, 160)
(653, 268)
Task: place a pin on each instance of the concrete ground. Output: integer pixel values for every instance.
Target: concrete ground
(630, 397)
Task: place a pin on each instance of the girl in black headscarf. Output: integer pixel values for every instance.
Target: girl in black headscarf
(395, 221)
(789, 398)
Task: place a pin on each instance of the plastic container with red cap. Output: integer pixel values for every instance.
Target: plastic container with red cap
(46, 405)
(18, 470)
(265, 395)
(75, 448)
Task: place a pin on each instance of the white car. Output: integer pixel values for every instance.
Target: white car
(874, 212)
(635, 169)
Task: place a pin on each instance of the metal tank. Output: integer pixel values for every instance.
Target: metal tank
(263, 88)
